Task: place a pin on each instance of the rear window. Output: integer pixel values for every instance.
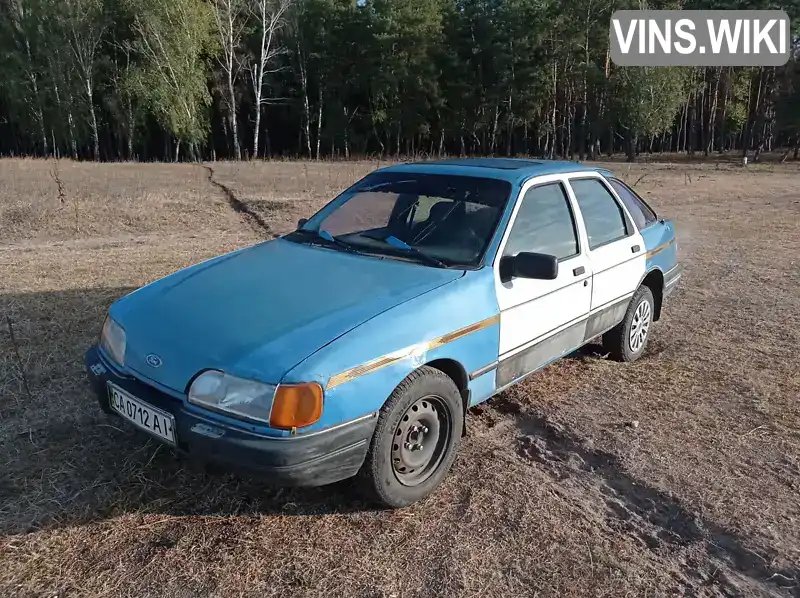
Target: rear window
(641, 213)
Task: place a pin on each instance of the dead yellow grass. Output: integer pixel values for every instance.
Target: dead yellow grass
(554, 493)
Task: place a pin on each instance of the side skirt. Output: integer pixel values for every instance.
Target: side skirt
(534, 358)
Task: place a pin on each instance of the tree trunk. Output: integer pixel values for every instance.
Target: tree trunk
(691, 125)
(38, 109)
(510, 125)
(237, 151)
(131, 129)
(631, 141)
(345, 133)
(375, 128)
(256, 132)
(399, 139)
(569, 115)
(93, 117)
(73, 144)
(703, 129)
(494, 129)
(712, 125)
(177, 150)
(40, 116)
(225, 135)
(723, 132)
(582, 131)
(258, 75)
(525, 137)
(747, 127)
(509, 137)
(319, 121)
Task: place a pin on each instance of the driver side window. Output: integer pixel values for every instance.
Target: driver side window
(544, 224)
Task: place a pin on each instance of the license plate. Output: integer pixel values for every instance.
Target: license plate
(157, 422)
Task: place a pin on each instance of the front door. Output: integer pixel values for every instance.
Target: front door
(540, 319)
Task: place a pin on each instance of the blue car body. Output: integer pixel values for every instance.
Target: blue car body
(282, 312)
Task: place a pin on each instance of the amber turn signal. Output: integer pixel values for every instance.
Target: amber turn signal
(296, 405)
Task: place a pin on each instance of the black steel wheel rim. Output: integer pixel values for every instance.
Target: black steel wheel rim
(421, 439)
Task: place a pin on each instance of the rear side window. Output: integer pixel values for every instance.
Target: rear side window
(544, 224)
(641, 213)
(605, 221)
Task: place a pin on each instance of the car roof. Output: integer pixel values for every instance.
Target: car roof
(513, 170)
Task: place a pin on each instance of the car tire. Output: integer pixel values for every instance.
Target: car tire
(627, 341)
(416, 439)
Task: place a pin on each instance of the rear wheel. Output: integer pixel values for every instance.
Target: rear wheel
(628, 339)
(416, 439)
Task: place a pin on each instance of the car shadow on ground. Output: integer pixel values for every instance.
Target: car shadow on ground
(94, 467)
(69, 463)
(592, 350)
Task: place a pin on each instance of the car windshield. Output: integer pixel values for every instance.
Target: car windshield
(439, 219)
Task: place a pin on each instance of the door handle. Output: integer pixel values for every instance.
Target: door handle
(578, 271)
(635, 249)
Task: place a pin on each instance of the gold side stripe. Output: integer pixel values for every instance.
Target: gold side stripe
(660, 248)
(389, 359)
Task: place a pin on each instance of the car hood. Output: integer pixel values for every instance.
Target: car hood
(259, 311)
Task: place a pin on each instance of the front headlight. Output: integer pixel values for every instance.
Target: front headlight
(112, 340)
(223, 392)
(283, 406)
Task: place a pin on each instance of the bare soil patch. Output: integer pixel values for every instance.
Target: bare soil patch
(676, 475)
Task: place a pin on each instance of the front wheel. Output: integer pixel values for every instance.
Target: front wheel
(416, 439)
(628, 339)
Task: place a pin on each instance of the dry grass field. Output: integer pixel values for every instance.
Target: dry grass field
(678, 475)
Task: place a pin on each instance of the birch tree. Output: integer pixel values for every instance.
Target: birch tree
(230, 18)
(123, 102)
(61, 81)
(23, 26)
(175, 39)
(270, 16)
(85, 25)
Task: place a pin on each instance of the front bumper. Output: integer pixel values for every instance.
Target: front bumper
(312, 459)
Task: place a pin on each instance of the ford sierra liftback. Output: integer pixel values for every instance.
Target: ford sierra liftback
(354, 345)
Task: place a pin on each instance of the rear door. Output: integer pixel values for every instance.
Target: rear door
(658, 234)
(616, 249)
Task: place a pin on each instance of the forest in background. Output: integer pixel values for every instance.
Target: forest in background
(237, 79)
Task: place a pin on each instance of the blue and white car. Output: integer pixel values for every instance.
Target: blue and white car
(354, 345)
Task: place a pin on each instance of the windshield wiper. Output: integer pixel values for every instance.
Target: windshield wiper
(395, 242)
(326, 236)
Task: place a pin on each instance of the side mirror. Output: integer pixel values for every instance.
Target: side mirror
(301, 222)
(528, 265)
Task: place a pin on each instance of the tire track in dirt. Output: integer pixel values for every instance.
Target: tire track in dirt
(707, 553)
(237, 205)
